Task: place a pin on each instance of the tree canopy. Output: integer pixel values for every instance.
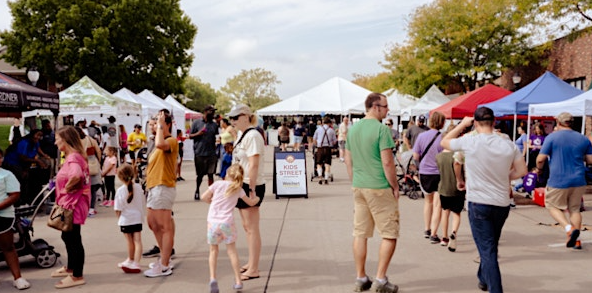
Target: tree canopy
(200, 94)
(461, 42)
(138, 44)
(254, 88)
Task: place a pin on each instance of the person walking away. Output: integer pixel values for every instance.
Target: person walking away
(324, 139)
(249, 151)
(371, 167)
(567, 152)
(343, 128)
(452, 194)
(491, 162)
(413, 131)
(161, 182)
(72, 192)
(109, 171)
(298, 135)
(310, 130)
(130, 207)
(223, 197)
(181, 141)
(203, 133)
(9, 194)
(425, 149)
(284, 136)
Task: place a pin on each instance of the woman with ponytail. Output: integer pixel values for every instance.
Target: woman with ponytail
(129, 206)
(223, 196)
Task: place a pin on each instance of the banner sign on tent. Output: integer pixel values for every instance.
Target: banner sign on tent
(290, 174)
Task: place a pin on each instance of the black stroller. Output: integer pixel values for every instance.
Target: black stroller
(407, 175)
(141, 166)
(45, 256)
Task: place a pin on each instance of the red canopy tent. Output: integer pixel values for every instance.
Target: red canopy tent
(466, 104)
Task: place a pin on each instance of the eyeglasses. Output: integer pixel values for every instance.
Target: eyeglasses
(382, 106)
(236, 117)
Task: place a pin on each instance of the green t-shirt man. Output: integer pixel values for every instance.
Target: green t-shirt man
(365, 140)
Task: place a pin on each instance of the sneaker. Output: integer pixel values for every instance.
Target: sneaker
(444, 241)
(196, 195)
(158, 271)
(361, 285)
(104, 203)
(181, 179)
(572, 237)
(321, 182)
(214, 286)
(154, 252)
(132, 268)
(111, 203)
(578, 245)
(126, 262)
(237, 287)
(387, 287)
(92, 213)
(21, 284)
(153, 264)
(326, 182)
(434, 239)
(427, 233)
(452, 243)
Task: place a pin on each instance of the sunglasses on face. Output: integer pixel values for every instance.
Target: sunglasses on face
(234, 118)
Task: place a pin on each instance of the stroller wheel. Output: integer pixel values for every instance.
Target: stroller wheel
(46, 258)
(414, 194)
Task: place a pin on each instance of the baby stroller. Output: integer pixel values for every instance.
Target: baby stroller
(142, 165)
(407, 175)
(45, 256)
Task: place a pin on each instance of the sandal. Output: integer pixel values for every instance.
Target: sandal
(68, 282)
(61, 272)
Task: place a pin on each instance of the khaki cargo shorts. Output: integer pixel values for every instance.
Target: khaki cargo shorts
(375, 208)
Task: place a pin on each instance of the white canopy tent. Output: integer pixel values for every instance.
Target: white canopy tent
(86, 99)
(149, 108)
(189, 114)
(580, 106)
(178, 115)
(335, 96)
(432, 99)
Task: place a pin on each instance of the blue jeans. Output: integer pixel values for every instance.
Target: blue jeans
(486, 223)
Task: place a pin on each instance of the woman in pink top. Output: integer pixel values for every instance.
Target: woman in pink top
(72, 192)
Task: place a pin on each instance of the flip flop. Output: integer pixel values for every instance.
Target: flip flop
(242, 270)
(246, 278)
(59, 273)
(68, 282)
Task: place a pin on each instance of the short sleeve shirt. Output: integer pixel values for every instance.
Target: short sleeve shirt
(162, 166)
(204, 145)
(428, 165)
(131, 213)
(365, 140)
(567, 150)
(8, 184)
(251, 145)
(222, 206)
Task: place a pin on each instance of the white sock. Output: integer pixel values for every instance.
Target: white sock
(327, 175)
(567, 228)
(381, 281)
(320, 171)
(364, 279)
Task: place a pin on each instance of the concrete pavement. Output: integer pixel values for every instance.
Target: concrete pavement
(307, 248)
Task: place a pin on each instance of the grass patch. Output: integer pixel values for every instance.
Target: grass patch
(4, 131)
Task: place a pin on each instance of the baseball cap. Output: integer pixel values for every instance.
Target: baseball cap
(111, 119)
(483, 114)
(421, 118)
(209, 107)
(239, 109)
(564, 118)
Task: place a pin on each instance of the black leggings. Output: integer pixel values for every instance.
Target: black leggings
(110, 188)
(75, 250)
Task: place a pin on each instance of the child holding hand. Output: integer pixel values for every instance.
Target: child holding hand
(223, 196)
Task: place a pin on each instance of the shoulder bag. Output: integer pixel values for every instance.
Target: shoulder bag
(61, 219)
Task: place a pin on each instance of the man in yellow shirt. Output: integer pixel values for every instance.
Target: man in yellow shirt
(135, 141)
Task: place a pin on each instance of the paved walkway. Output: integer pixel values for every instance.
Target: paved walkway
(307, 248)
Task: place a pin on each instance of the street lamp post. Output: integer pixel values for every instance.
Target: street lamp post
(516, 80)
(33, 76)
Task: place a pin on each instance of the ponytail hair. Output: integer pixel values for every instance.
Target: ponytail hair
(125, 173)
(236, 173)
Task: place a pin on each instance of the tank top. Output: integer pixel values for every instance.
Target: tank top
(226, 137)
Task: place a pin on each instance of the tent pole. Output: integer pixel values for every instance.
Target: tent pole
(528, 138)
(515, 126)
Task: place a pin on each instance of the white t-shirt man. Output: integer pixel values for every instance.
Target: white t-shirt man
(488, 159)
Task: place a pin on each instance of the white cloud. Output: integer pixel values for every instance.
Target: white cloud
(240, 47)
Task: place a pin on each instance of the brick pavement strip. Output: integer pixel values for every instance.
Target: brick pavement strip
(309, 242)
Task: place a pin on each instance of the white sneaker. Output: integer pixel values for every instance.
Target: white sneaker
(171, 264)
(21, 284)
(124, 263)
(158, 271)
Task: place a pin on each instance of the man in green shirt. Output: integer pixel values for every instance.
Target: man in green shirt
(371, 167)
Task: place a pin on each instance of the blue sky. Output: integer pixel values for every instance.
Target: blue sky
(304, 42)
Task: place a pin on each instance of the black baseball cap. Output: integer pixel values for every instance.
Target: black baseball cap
(484, 114)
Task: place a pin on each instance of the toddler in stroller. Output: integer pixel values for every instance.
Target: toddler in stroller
(407, 175)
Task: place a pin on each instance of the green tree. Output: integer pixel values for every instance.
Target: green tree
(563, 14)
(254, 88)
(461, 41)
(199, 93)
(377, 83)
(138, 44)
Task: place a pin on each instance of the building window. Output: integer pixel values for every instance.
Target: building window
(579, 83)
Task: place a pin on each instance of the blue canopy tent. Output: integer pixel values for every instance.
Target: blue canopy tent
(547, 88)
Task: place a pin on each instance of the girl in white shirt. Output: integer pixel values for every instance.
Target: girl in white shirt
(129, 207)
(223, 196)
